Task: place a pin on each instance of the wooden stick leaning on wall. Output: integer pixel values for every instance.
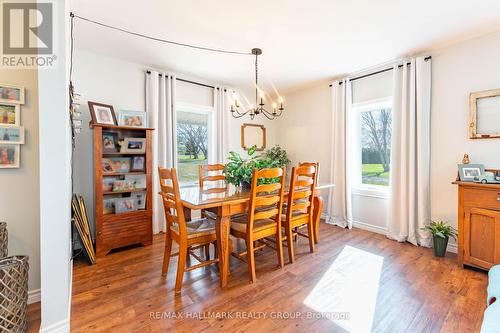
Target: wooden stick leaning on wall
(82, 226)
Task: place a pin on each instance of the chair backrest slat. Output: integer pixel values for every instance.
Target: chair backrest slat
(211, 173)
(172, 204)
(301, 192)
(266, 200)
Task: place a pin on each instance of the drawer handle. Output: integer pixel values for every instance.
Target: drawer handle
(498, 199)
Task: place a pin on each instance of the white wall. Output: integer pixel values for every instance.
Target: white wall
(55, 184)
(20, 200)
(456, 71)
(107, 80)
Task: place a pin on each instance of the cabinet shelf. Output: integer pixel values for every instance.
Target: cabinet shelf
(111, 174)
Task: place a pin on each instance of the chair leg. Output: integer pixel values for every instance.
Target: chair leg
(207, 251)
(310, 233)
(166, 255)
(250, 260)
(289, 241)
(183, 253)
(279, 247)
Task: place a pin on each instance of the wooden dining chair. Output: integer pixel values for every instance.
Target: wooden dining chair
(199, 233)
(211, 173)
(318, 205)
(299, 210)
(264, 215)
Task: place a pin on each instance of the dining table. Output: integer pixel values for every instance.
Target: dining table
(229, 201)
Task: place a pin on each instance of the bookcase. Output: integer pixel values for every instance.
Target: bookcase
(123, 186)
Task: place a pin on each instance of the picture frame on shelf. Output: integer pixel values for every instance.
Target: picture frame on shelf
(11, 134)
(107, 166)
(11, 94)
(10, 114)
(121, 164)
(107, 183)
(468, 172)
(110, 142)
(133, 145)
(139, 181)
(133, 118)
(9, 156)
(102, 114)
(140, 199)
(138, 163)
(121, 185)
(124, 205)
(108, 205)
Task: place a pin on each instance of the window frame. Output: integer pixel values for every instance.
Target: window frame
(212, 131)
(357, 186)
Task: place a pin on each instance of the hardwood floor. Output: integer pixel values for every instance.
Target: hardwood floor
(382, 285)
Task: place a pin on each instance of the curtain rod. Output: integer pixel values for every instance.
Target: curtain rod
(188, 81)
(380, 71)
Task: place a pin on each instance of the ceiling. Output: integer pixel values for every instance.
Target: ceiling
(302, 41)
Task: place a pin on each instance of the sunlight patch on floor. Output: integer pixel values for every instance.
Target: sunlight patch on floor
(350, 285)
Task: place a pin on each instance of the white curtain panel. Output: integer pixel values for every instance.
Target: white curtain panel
(339, 200)
(222, 105)
(410, 153)
(160, 92)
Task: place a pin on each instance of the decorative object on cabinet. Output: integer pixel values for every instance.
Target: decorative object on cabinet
(11, 134)
(11, 94)
(466, 159)
(478, 223)
(120, 222)
(133, 145)
(9, 156)
(102, 114)
(487, 178)
(253, 135)
(468, 172)
(10, 114)
(133, 118)
(485, 114)
(441, 232)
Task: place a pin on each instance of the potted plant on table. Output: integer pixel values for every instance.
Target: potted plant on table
(238, 170)
(441, 232)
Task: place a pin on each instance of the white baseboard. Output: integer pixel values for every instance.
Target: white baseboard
(34, 296)
(452, 248)
(369, 227)
(59, 327)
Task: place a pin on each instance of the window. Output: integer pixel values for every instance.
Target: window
(372, 133)
(195, 143)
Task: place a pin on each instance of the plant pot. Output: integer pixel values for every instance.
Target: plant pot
(245, 186)
(440, 245)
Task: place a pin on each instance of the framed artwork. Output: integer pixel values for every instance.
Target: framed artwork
(107, 183)
(133, 145)
(140, 199)
(470, 171)
(253, 135)
(109, 142)
(9, 114)
(139, 181)
(11, 94)
(9, 156)
(124, 205)
(138, 163)
(107, 165)
(133, 118)
(484, 120)
(11, 134)
(123, 185)
(121, 164)
(102, 113)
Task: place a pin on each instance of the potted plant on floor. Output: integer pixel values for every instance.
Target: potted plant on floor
(441, 232)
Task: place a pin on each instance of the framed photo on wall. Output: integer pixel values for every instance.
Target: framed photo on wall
(9, 114)
(102, 113)
(9, 156)
(11, 94)
(11, 134)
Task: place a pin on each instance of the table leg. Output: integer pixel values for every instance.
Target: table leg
(222, 229)
(318, 208)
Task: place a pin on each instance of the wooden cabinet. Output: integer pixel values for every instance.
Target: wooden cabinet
(478, 224)
(118, 229)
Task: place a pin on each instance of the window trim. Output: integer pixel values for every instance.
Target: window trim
(357, 187)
